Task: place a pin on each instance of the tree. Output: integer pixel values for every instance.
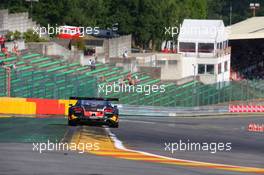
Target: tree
(17, 35)
(144, 19)
(30, 36)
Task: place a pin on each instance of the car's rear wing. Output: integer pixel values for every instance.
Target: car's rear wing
(94, 98)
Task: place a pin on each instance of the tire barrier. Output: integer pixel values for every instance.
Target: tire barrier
(246, 108)
(253, 127)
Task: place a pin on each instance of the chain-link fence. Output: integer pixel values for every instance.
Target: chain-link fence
(196, 94)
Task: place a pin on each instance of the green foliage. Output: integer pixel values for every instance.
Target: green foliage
(144, 19)
(30, 36)
(17, 35)
(79, 43)
(9, 36)
(220, 9)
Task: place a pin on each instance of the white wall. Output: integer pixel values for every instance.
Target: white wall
(118, 45)
(188, 68)
(20, 43)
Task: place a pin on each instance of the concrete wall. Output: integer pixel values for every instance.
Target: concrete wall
(52, 48)
(175, 67)
(188, 68)
(154, 72)
(117, 46)
(3, 20)
(16, 21)
(145, 58)
(207, 78)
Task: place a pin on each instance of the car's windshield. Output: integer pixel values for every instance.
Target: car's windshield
(93, 103)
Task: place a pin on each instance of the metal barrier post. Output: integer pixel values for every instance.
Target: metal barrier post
(8, 80)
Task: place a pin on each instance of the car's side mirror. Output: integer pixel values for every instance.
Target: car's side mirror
(70, 105)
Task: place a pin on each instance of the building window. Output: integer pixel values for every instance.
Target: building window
(206, 47)
(226, 66)
(218, 46)
(201, 68)
(210, 69)
(161, 62)
(172, 62)
(187, 47)
(219, 68)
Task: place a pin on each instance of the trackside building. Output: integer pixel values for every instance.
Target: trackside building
(203, 45)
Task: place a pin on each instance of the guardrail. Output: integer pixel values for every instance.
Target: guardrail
(37, 106)
(157, 111)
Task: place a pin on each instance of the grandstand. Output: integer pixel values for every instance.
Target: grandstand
(246, 39)
(40, 76)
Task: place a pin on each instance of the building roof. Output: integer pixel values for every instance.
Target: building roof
(251, 28)
(105, 33)
(197, 30)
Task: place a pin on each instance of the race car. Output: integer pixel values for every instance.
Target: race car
(93, 111)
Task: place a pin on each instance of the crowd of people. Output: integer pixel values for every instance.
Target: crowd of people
(4, 50)
(256, 73)
(129, 79)
(248, 59)
(126, 80)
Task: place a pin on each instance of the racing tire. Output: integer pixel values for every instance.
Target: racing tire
(114, 125)
(72, 123)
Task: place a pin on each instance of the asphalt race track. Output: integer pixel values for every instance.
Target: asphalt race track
(138, 137)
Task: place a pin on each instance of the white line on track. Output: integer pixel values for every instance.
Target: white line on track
(119, 145)
(137, 121)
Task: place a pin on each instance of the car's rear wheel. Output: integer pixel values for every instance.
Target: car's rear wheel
(72, 123)
(113, 125)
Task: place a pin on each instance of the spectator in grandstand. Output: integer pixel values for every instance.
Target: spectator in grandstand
(90, 64)
(15, 48)
(136, 79)
(125, 54)
(129, 76)
(6, 53)
(102, 79)
(131, 82)
(13, 66)
(121, 82)
(2, 42)
(93, 67)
